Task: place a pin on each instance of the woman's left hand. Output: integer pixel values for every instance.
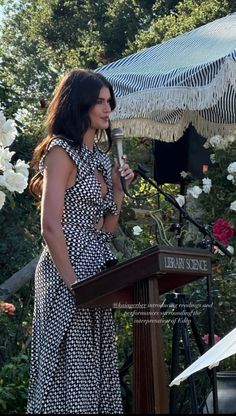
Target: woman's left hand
(125, 172)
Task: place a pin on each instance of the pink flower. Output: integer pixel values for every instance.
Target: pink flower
(223, 231)
(206, 338)
(8, 308)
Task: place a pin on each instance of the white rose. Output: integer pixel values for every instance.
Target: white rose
(216, 141)
(21, 115)
(137, 230)
(233, 206)
(232, 167)
(206, 185)
(14, 182)
(5, 157)
(2, 199)
(184, 174)
(22, 167)
(206, 144)
(2, 119)
(230, 138)
(195, 191)
(230, 177)
(8, 133)
(230, 249)
(180, 199)
(213, 158)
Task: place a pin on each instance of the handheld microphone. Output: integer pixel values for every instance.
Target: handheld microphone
(117, 136)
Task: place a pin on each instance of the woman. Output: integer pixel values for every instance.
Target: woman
(74, 356)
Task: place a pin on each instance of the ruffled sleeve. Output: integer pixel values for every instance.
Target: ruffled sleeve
(58, 141)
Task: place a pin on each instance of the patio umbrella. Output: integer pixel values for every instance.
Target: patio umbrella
(190, 78)
(223, 349)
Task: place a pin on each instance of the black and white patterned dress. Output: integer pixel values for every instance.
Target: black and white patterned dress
(74, 355)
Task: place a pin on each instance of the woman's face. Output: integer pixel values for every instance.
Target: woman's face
(99, 113)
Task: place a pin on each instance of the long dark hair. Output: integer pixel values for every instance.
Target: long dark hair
(67, 114)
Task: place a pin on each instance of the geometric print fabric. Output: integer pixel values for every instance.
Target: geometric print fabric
(73, 350)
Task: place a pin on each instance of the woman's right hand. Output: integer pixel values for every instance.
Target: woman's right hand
(124, 171)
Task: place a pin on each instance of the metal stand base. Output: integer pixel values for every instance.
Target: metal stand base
(182, 317)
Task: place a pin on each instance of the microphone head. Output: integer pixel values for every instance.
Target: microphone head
(117, 133)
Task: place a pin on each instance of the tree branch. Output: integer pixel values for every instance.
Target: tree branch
(24, 275)
(20, 278)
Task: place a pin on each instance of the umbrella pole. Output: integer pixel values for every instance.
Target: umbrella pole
(181, 329)
(212, 342)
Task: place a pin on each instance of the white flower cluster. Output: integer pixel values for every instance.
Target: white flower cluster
(180, 199)
(232, 172)
(233, 206)
(13, 178)
(195, 191)
(137, 230)
(217, 142)
(220, 142)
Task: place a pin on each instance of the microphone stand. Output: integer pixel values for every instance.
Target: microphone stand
(202, 228)
(212, 242)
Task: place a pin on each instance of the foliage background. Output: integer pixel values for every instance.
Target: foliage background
(39, 41)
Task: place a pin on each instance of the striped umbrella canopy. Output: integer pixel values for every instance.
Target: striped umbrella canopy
(190, 78)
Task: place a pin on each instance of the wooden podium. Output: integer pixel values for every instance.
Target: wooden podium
(137, 283)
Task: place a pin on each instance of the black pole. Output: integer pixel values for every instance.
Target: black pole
(213, 242)
(212, 342)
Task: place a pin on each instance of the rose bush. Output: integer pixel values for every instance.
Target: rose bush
(212, 202)
(223, 231)
(215, 194)
(13, 175)
(7, 308)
